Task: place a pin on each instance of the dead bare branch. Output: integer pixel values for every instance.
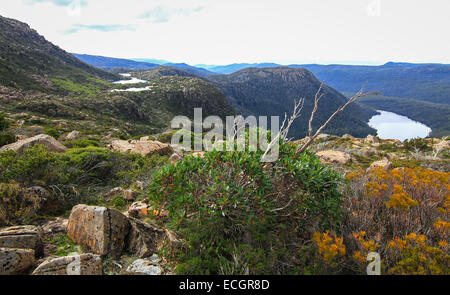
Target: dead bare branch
(311, 137)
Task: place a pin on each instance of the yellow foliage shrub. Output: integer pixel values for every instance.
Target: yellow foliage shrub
(401, 199)
(329, 246)
(414, 256)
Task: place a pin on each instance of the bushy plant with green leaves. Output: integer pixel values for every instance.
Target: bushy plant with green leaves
(81, 143)
(73, 176)
(6, 138)
(52, 132)
(4, 124)
(417, 144)
(230, 201)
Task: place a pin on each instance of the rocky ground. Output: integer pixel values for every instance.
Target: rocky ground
(96, 240)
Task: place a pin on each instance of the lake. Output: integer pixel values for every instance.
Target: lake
(393, 126)
(131, 81)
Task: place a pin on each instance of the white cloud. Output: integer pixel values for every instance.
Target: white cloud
(221, 32)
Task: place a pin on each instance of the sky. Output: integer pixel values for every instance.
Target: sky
(220, 32)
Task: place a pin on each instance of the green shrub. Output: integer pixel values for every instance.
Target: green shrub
(52, 132)
(81, 143)
(36, 166)
(229, 201)
(4, 124)
(6, 138)
(420, 144)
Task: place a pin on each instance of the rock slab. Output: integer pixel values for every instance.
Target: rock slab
(85, 265)
(20, 146)
(16, 261)
(22, 237)
(99, 229)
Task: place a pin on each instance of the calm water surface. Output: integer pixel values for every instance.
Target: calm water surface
(392, 126)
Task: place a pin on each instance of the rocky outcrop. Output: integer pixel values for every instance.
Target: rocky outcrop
(16, 261)
(144, 239)
(20, 146)
(85, 264)
(142, 147)
(331, 156)
(146, 266)
(22, 237)
(101, 230)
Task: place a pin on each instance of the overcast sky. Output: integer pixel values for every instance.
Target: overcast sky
(230, 31)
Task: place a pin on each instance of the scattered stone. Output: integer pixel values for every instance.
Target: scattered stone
(385, 164)
(74, 135)
(16, 261)
(331, 156)
(99, 229)
(85, 264)
(175, 158)
(144, 267)
(144, 239)
(20, 146)
(22, 237)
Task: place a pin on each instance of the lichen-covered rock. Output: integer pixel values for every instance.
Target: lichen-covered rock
(99, 229)
(20, 146)
(144, 239)
(331, 156)
(85, 265)
(16, 261)
(144, 267)
(22, 237)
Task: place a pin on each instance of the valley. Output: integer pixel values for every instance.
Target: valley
(92, 184)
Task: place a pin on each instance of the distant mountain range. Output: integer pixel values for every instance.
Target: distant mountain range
(81, 85)
(110, 63)
(408, 89)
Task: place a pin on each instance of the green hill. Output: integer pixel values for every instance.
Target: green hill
(272, 91)
(29, 62)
